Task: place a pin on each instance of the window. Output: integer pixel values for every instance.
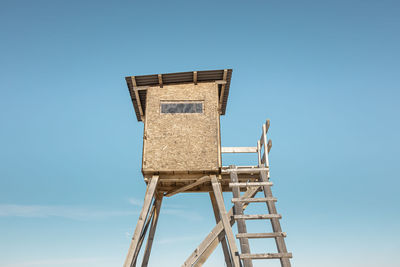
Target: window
(182, 107)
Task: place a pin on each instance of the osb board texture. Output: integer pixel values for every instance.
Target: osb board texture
(181, 142)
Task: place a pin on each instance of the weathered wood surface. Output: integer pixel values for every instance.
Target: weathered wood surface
(266, 256)
(260, 235)
(187, 187)
(152, 232)
(239, 149)
(151, 188)
(221, 237)
(247, 184)
(225, 221)
(257, 216)
(241, 225)
(254, 200)
(209, 244)
(276, 225)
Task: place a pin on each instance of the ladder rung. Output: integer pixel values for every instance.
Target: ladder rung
(245, 170)
(257, 216)
(261, 199)
(266, 256)
(250, 184)
(261, 235)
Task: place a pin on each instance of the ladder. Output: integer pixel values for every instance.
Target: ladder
(265, 186)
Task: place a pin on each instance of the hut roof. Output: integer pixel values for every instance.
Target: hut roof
(143, 81)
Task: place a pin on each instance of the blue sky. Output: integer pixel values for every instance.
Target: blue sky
(325, 72)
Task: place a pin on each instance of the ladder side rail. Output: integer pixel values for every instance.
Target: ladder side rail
(276, 226)
(241, 225)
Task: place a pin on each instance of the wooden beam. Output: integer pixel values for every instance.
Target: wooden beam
(152, 232)
(247, 184)
(239, 149)
(241, 225)
(221, 98)
(133, 79)
(195, 77)
(220, 82)
(221, 236)
(186, 187)
(160, 81)
(143, 234)
(151, 187)
(225, 221)
(210, 243)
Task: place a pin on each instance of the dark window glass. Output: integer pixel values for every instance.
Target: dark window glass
(181, 107)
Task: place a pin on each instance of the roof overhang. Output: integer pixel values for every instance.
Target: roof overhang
(138, 85)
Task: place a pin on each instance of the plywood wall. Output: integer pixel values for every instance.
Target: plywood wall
(181, 142)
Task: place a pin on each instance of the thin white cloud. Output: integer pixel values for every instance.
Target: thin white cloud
(183, 214)
(70, 212)
(136, 202)
(175, 210)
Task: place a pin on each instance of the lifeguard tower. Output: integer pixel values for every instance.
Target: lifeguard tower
(182, 153)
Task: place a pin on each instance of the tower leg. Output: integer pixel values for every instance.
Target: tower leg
(138, 236)
(210, 243)
(225, 221)
(152, 232)
(221, 236)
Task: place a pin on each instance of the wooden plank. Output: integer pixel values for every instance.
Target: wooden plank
(143, 234)
(241, 225)
(247, 184)
(266, 256)
(152, 232)
(254, 200)
(129, 261)
(160, 81)
(210, 243)
(257, 216)
(259, 153)
(221, 98)
(133, 79)
(239, 149)
(138, 103)
(195, 77)
(276, 225)
(225, 221)
(221, 237)
(245, 170)
(260, 235)
(187, 187)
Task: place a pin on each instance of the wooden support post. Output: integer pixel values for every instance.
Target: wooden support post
(225, 221)
(210, 243)
(244, 242)
(151, 187)
(187, 187)
(221, 236)
(143, 234)
(153, 227)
